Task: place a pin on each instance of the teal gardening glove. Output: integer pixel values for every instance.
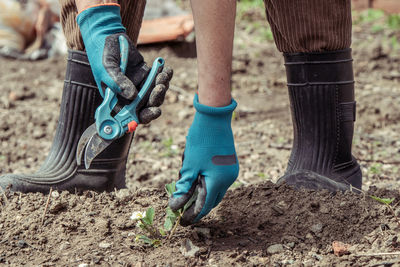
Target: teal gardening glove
(101, 28)
(209, 165)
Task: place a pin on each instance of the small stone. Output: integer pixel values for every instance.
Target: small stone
(287, 262)
(324, 209)
(65, 246)
(317, 257)
(309, 236)
(55, 194)
(290, 245)
(316, 228)
(96, 260)
(340, 248)
(123, 194)
(276, 248)
(205, 232)
(278, 210)
(22, 244)
(188, 249)
(282, 204)
(308, 263)
(83, 265)
(104, 245)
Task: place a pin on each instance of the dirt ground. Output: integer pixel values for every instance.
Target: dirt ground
(257, 224)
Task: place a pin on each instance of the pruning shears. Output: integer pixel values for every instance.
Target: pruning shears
(107, 128)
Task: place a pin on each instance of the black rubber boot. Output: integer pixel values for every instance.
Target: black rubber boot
(60, 171)
(321, 91)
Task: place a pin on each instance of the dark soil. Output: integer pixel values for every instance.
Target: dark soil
(96, 228)
(257, 224)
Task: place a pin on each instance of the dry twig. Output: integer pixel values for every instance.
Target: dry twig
(47, 205)
(4, 195)
(378, 254)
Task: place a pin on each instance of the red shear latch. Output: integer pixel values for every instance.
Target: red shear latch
(132, 126)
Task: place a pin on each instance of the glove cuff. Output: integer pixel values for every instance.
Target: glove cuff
(211, 125)
(104, 18)
(214, 111)
(105, 4)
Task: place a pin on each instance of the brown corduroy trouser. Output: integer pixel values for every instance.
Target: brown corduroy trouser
(131, 13)
(297, 25)
(310, 25)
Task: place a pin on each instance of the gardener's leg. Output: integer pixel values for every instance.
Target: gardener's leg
(80, 99)
(131, 13)
(210, 164)
(315, 38)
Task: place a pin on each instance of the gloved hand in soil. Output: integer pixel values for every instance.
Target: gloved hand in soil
(101, 28)
(209, 164)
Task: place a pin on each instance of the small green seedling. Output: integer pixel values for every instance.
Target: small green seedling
(146, 222)
(236, 184)
(262, 176)
(172, 219)
(385, 201)
(169, 148)
(376, 168)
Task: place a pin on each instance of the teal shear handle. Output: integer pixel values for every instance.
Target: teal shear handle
(126, 120)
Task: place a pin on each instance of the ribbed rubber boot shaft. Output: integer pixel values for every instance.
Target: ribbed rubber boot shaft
(59, 171)
(321, 91)
(315, 124)
(78, 104)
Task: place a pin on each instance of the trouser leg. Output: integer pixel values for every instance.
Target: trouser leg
(310, 25)
(131, 13)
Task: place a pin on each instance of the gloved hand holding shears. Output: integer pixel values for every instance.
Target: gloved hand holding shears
(101, 30)
(120, 72)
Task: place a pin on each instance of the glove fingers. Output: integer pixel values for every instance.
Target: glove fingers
(192, 214)
(207, 199)
(185, 188)
(146, 115)
(157, 96)
(163, 78)
(169, 72)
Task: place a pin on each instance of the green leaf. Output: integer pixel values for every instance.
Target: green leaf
(191, 200)
(169, 223)
(170, 218)
(170, 188)
(162, 232)
(156, 243)
(149, 241)
(386, 201)
(171, 213)
(145, 239)
(149, 216)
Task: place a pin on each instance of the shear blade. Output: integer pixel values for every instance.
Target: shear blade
(94, 147)
(86, 136)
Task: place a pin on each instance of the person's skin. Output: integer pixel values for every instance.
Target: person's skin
(215, 25)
